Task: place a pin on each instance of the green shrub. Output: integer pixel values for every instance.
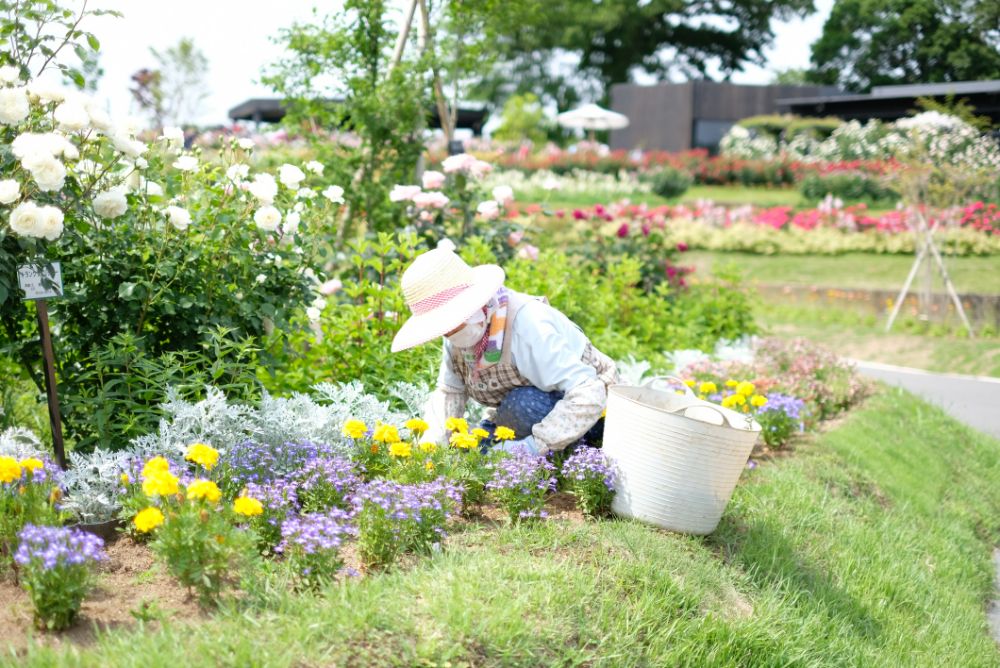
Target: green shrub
(820, 128)
(670, 182)
(848, 186)
(772, 125)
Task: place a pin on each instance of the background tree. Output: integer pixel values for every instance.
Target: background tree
(869, 43)
(174, 92)
(613, 40)
(522, 119)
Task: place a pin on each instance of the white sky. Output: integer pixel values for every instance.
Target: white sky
(236, 35)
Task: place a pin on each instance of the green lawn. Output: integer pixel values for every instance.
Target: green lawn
(852, 270)
(869, 547)
(731, 195)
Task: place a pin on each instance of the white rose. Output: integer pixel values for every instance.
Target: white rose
(237, 172)
(488, 209)
(292, 221)
(267, 218)
(178, 217)
(260, 278)
(305, 193)
(49, 173)
(71, 116)
(336, 194)
(98, 117)
(10, 190)
(246, 144)
(186, 163)
(13, 105)
(315, 167)
(44, 92)
(133, 148)
(111, 203)
(291, 176)
(313, 313)
(24, 220)
(88, 167)
(10, 74)
(264, 188)
(172, 134)
(51, 222)
(503, 195)
(319, 303)
(141, 163)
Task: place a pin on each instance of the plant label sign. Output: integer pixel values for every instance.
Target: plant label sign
(40, 281)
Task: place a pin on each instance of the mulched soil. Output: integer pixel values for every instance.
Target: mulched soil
(129, 581)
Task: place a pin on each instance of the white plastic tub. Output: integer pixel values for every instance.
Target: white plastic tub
(677, 457)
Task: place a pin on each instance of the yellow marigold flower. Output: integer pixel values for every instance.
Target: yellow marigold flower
(32, 464)
(204, 489)
(480, 433)
(354, 429)
(247, 506)
(428, 447)
(148, 519)
(204, 455)
(464, 441)
(745, 388)
(400, 449)
(503, 433)
(708, 387)
(731, 383)
(160, 483)
(734, 400)
(429, 465)
(10, 470)
(689, 382)
(125, 479)
(758, 400)
(155, 465)
(386, 433)
(456, 424)
(416, 426)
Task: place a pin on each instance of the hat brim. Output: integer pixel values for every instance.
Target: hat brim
(419, 329)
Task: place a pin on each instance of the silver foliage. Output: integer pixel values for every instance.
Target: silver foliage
(20, 443)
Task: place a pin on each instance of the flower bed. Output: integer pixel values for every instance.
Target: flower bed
(829, 229)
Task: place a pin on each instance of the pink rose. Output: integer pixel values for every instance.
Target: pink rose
(330, 287)
(623, 231)
(528, 252)
(681, 246)
(514, 238)
(433, 180)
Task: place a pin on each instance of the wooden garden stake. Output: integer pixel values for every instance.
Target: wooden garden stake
(40, 281)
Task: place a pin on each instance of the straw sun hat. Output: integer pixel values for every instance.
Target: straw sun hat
(443, 291)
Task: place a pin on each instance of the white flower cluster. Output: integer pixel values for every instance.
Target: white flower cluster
(946, 139)
(576, 182)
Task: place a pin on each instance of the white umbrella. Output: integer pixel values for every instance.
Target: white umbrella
(592, 117)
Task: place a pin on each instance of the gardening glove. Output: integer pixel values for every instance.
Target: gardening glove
(526, 444)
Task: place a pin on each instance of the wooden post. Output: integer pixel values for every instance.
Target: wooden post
(50, 381)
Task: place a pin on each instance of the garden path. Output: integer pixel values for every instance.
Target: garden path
(975, 400)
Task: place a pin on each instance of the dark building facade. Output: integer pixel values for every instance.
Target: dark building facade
(694, 114)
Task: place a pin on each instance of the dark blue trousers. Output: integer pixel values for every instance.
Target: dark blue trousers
(524, 407)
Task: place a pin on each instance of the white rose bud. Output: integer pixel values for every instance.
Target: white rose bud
(178, 217)
(267, 218)
(111, 203)
(14, 106)
(10, 190)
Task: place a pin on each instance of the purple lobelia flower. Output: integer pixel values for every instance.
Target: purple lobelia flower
(327, 483)
(520, 483)
(259, 463)
(393, 518)
(56, 570)
(590, 478)
(311, 544)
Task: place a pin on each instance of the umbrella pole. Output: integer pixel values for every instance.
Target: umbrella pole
(591, 135)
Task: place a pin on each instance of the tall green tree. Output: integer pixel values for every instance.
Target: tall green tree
(869, 43)
(572, 48)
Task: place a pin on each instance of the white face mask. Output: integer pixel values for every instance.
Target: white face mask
(472, 333)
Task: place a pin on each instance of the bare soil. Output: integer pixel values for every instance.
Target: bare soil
(130, 587)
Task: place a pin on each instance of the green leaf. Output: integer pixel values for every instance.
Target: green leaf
(125, 290)
(94, 43)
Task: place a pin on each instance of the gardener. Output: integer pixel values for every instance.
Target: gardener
(506, 350)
